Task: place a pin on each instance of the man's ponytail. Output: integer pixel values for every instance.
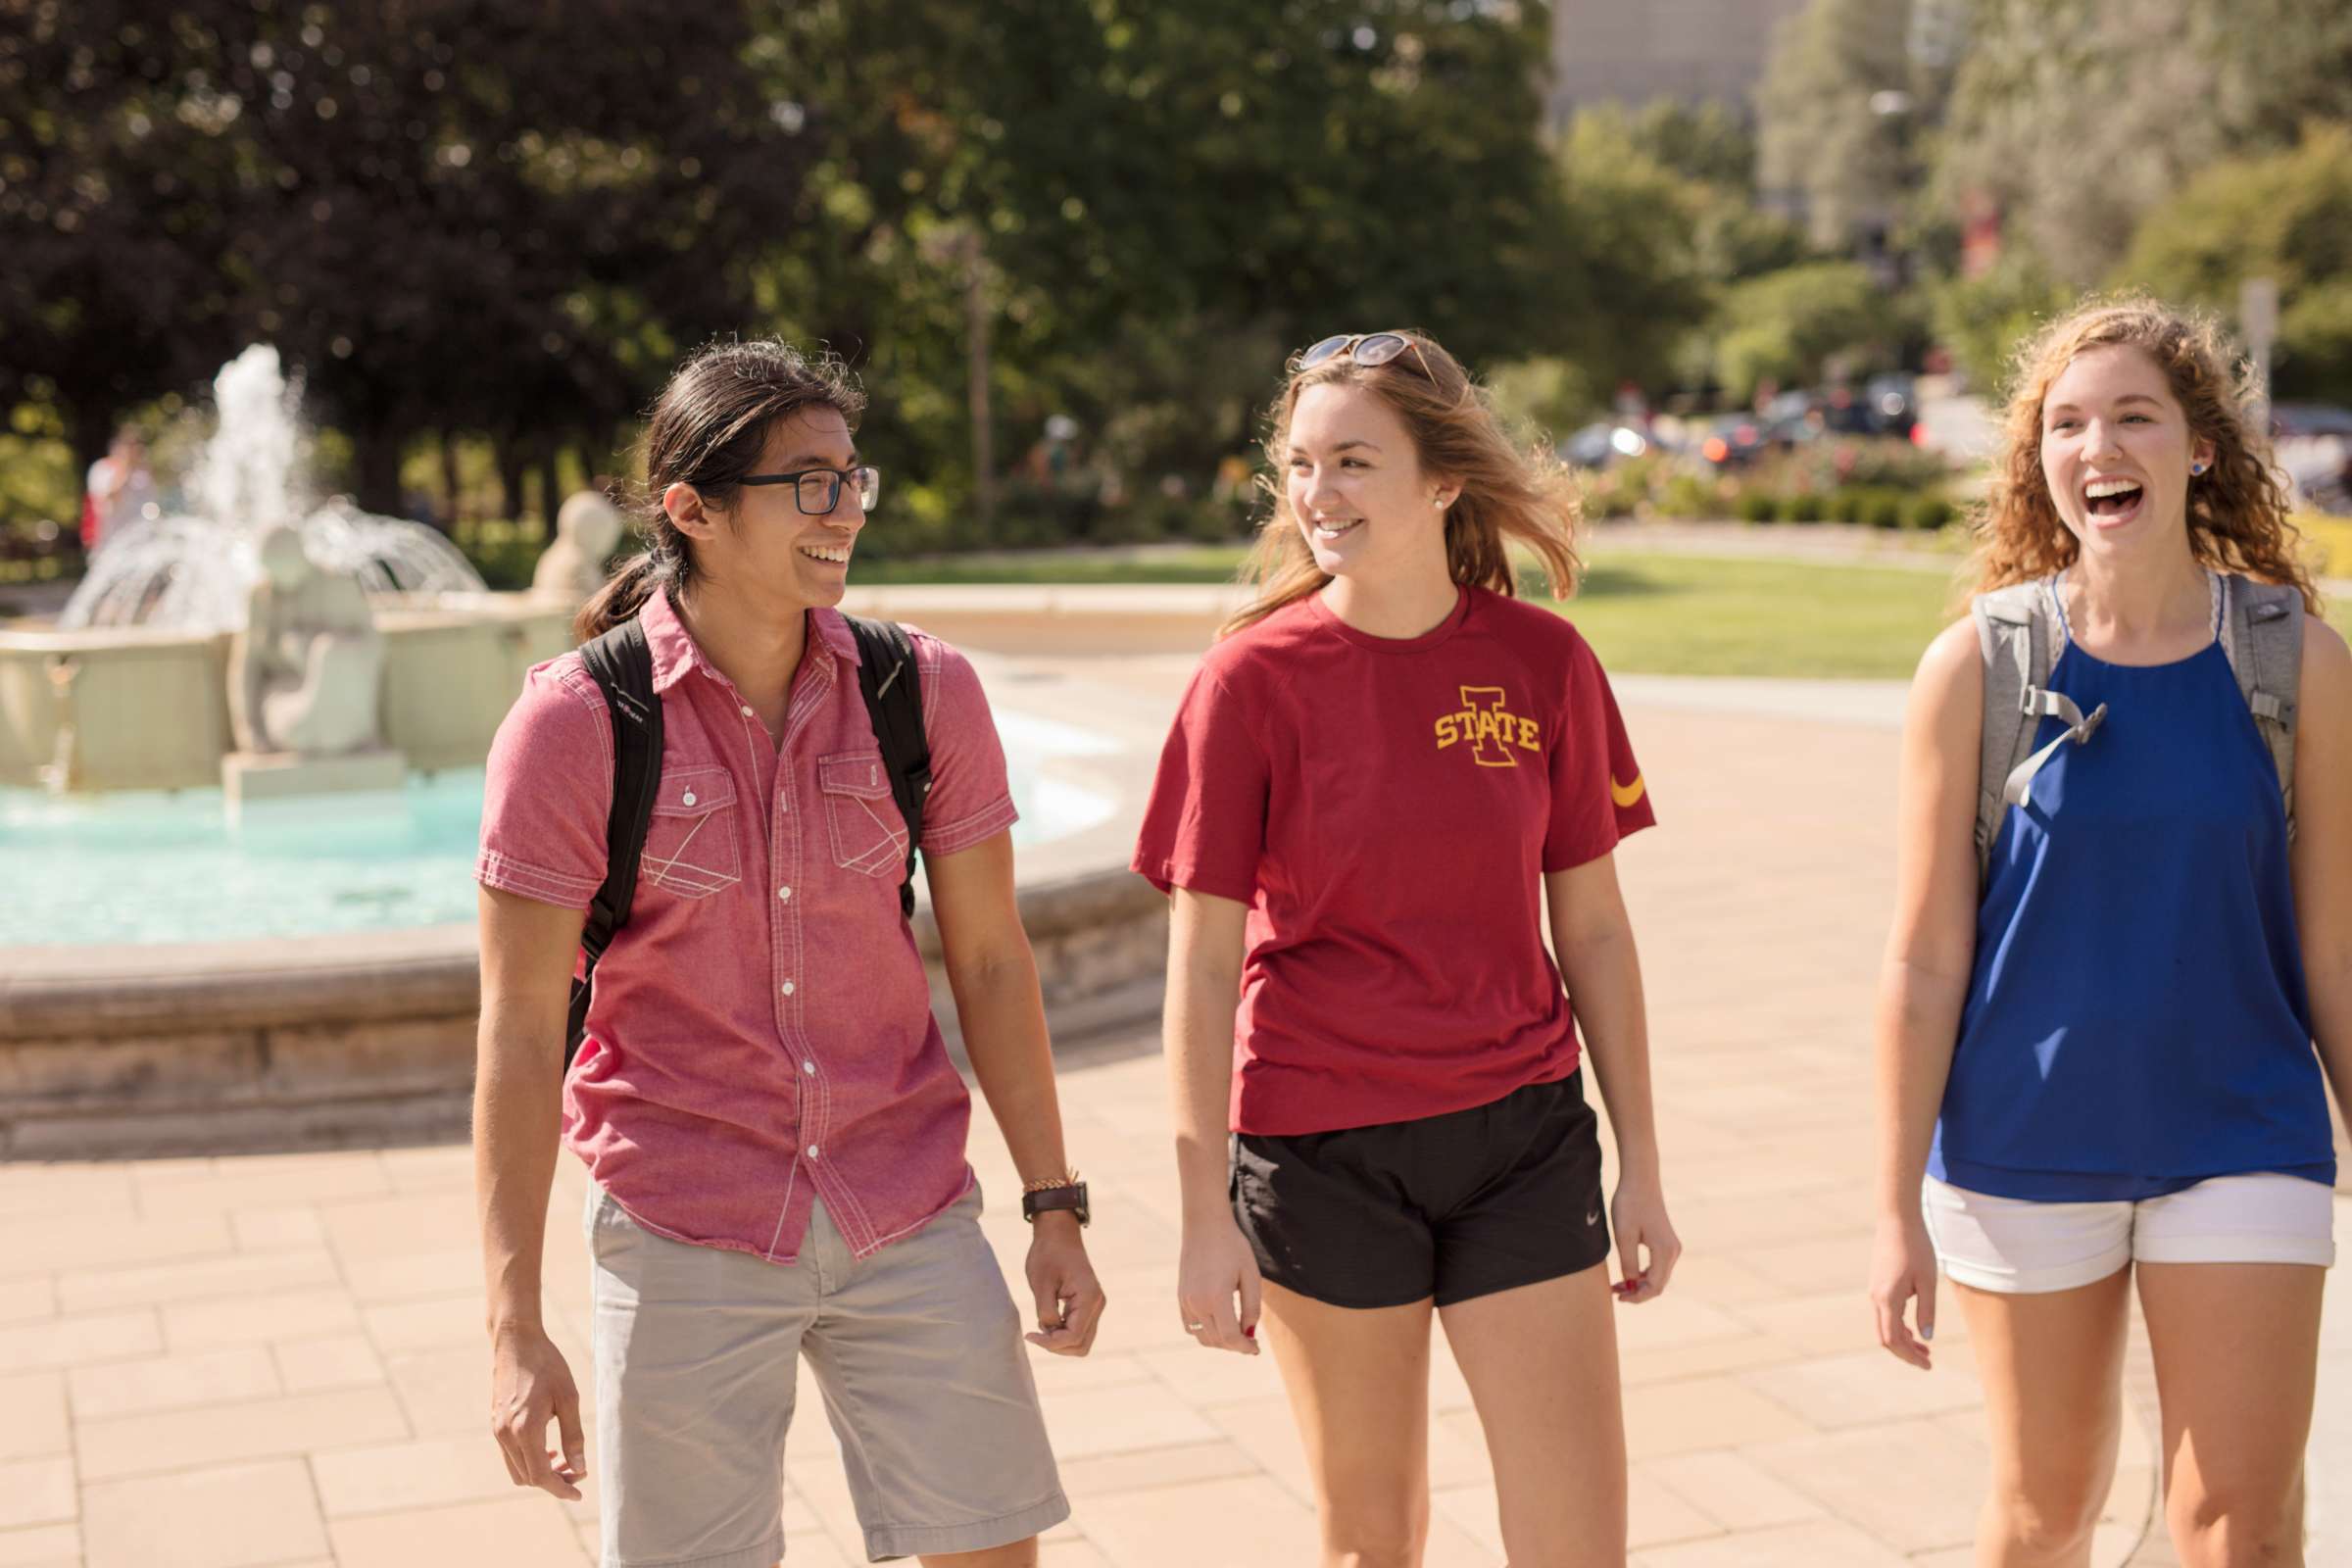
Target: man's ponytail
(619, 598)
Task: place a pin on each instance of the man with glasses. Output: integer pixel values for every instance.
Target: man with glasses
(774, 1131)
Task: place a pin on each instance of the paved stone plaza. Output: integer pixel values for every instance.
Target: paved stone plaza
(280, 1359)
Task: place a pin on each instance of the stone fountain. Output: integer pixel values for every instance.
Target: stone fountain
(380, 633)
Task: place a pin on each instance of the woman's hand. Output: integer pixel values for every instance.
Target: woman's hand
(1069, 1299)
(1902, 1268)
(1217, 1271)
(1647, 1245)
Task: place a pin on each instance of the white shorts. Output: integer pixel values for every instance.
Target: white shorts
(2021, 1246)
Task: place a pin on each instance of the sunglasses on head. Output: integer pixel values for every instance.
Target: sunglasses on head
(1367, 349)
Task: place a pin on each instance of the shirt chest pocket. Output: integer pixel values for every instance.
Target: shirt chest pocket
(691, 843)
(870, 836)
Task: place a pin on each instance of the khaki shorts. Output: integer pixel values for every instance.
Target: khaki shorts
(919, 1352)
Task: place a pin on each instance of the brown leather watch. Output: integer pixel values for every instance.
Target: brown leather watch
(1070, 1195)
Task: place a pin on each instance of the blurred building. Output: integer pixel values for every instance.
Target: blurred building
(1618, 51)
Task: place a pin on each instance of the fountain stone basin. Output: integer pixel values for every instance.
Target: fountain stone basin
(147, 707)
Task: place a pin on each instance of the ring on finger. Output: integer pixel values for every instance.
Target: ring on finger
(1193, 1328)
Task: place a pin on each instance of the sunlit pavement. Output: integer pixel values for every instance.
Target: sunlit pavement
(280, 1360)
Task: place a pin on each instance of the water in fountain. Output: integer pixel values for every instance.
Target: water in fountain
(192, 573)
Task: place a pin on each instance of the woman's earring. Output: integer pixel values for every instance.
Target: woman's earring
(2198, 469)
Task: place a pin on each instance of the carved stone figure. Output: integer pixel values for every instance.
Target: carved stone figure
(304, 673)
(587, 531)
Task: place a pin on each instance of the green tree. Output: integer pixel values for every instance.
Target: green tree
(1793, 327)
(1840, 105)
(2284, 216)
(1982, 319)
(2078, 117)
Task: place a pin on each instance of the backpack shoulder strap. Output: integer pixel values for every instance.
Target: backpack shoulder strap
(622, 667)
(2016, 635)
(2262, 633)
(894, 702)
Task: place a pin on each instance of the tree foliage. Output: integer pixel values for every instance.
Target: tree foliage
(1793, 327)
(2078, 117)
(2284, 216)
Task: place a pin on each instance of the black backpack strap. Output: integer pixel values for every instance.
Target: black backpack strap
(894, 704)
(623, 667)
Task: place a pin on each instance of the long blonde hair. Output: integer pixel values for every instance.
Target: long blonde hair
(1507, 495)
(2237, 510)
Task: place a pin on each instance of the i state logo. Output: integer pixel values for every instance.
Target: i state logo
(1494, 732)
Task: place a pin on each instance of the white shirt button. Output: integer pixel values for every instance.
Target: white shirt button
(688, 797)
(788, 988)
(816, 1153)
(783, 893)
(808, 1067)
(747, 711)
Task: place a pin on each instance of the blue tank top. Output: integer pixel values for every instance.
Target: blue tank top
(2137, 1018)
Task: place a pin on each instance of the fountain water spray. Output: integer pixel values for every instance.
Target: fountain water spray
(192, 572)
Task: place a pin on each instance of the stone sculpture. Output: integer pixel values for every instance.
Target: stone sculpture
(587, 531)
(304, 676)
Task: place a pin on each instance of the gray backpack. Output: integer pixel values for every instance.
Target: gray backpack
(2020, 634)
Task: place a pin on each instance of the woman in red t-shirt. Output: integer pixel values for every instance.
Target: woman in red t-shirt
(1373, 777)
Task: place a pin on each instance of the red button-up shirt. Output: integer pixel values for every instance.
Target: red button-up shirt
(760, 1033)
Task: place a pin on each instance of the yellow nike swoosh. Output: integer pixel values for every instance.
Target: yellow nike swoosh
(1626, 795)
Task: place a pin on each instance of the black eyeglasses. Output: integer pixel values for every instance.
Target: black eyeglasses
(817, 491)
(1364, 348)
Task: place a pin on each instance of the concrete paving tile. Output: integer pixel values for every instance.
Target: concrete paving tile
(242, 1182)
(36, 1491)
(68, 1189)
(268, 1230)
(259, 1320)
(426, 1473)
(46, 1343)
(1099, 1368)
(1638, 1368)
(1080, 1553)
(33, 1416)
(1812, 1267)
(434, 1323)
(443, 1391)
(1202, 1376)
(253, 1429)
(1242, 1522)
(21, 1300)
(408, 1223)
(816, 1550)
(422, 1169)
(1673, 1321)
(1826, 1322)
(1870, 1386)
(518, 1532)
(1821, 1543)
(406, 1276)
(1266, 1430)
(1154, 1467)
(49, 1242)
(328, 1361)
(42, 1547)
(1713, 1412)
(221, 1516)
(1114, 1420)
(171, 1382)
(193, 1280)
(1910, 1484)
(1730, 1489)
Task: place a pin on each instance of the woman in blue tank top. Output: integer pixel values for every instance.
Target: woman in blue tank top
(2096, 1049)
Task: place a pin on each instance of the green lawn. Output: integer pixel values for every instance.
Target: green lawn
(1659, 614)
(1690, 616)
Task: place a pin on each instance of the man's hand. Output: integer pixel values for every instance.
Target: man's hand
(530, 1385)
(1069, 1299)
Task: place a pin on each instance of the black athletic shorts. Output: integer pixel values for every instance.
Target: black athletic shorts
(1450, 1207)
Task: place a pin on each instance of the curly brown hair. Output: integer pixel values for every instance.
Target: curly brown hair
(2237, 510)
(1509, 496)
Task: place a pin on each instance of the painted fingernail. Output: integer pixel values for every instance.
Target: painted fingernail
(1249, 1333)
(1927, 1331)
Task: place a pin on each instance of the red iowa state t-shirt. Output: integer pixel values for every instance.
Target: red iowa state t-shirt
(1386, 809)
